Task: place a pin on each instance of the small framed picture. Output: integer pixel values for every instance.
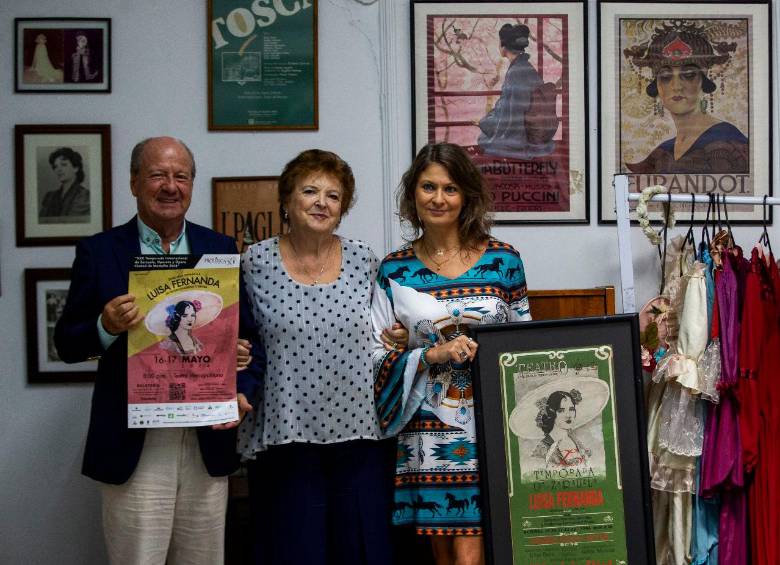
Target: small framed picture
(62, 55)
(246, 208)
(563, 451)
(63, 183)
(45, 293)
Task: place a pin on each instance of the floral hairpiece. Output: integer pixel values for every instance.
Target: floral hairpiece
(170, 309)
(197, 305)
(576, 396)
(644, 220)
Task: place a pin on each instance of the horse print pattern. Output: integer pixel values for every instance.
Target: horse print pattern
(437, 475)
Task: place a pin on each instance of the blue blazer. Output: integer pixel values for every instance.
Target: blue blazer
(100, 273)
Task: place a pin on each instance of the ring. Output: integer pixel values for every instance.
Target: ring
(463, 354)
(470, 340)
(394, 345)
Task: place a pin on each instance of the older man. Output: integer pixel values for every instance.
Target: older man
(165, 490)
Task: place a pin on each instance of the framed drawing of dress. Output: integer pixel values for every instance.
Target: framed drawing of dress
(686, 95)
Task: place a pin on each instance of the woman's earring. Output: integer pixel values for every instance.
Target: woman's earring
(703, 105)
(658, 108)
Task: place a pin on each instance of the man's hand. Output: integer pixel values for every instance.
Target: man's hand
(121, 314)
(243, 408)
(243, 354)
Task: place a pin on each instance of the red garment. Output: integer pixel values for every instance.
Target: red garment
(758, 310)
(765, 495)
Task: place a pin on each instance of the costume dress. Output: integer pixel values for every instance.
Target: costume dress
(555, 457)
(41, 64)
(81, 59)
(172, 344)
(720, 149)
(432, 410)
(721, 465)
(503, 128)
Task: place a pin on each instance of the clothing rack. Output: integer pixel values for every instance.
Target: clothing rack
(622, 198)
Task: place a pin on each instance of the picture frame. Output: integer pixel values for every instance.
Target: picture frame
(726, 48)
(45, 293)
(527, 134)
(62, 55)
(246, 208)
(544, 498)
(63, 182)
(262, 66)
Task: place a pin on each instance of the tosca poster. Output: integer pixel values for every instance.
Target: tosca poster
(565, 491)
(262, 64)
(181, 359)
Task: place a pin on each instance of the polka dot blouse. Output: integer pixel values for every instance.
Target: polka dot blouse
(319, 379)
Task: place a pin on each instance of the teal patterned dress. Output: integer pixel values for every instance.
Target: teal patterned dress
(432, 410)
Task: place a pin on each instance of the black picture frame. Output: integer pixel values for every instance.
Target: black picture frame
(633, 128)
(45, 291)
(538, 188)
(621, 334)
(62, 55)
(39, 148)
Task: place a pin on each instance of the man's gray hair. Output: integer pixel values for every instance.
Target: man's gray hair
(138, 153)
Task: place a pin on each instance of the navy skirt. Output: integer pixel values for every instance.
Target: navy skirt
(323, 504)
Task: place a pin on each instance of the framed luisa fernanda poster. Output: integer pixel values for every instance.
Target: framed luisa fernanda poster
(685, 102)
(561, 434)
(506, 81)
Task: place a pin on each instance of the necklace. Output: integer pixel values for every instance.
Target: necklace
(447, 253)
(314, 280)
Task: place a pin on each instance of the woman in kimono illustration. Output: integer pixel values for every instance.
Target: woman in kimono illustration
(504, 131)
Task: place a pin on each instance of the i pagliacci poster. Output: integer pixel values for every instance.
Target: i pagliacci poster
(181, 359)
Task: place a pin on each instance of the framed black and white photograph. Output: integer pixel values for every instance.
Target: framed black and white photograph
(45, 293)
(62, 55)
(561, 434)
(63, 182)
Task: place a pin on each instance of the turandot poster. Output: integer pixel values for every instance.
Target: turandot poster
(181, 366)
(686, 100)
(565, 491)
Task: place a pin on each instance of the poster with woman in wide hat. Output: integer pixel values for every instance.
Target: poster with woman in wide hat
(181, 367)
(565, 490)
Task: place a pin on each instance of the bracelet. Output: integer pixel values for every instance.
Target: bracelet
(423, 362)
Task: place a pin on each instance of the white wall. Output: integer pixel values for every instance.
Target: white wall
(49, 513)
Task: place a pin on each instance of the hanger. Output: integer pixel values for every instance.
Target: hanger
(731, 241)
(689, 238)
(764, 239)
(667, 213)
(705, 232)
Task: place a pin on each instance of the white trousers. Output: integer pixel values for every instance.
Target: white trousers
(170, 508)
